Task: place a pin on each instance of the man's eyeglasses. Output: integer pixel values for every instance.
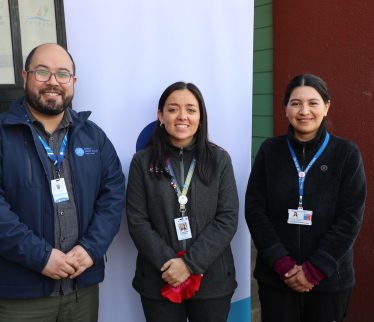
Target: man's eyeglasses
(42, 75)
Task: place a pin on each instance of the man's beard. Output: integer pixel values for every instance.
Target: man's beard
(51, 107)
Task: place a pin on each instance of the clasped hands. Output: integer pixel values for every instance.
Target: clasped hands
(296, 279)
(71, 264)
(175, 272)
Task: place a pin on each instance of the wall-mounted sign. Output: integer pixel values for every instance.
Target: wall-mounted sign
(24, 25)
(37, 22)
(6, 51)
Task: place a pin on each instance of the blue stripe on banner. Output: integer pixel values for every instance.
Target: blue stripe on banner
(240, 311)
(145, 135)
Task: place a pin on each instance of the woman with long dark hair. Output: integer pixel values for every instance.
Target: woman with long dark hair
(304, 206)
(182, 210)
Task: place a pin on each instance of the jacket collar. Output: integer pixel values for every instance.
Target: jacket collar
(190, 149)
(308, 145)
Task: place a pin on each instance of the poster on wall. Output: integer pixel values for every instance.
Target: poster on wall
(127, 52)
(37, 23)
(6, 52)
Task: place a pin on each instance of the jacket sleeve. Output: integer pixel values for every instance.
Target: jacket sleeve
(109, 203)
(264, 236)
(18, 243)
(147, 240)
(216, 236)
(339, 239)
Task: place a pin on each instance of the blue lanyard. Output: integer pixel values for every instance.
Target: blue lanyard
(302, 174)
(56, 160)
(186, 184)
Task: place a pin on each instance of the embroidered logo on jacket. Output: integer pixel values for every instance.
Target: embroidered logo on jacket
(80, 152)
(324, 167)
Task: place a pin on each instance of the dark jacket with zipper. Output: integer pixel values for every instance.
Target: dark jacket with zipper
(334, 189)
(26, 202)
(213, 215)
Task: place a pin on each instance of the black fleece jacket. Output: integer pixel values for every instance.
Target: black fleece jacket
(334, 189)
(213, 216)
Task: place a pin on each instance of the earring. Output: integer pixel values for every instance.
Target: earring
(161, 125)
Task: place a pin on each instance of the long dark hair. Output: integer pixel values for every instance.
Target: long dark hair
(161, 144)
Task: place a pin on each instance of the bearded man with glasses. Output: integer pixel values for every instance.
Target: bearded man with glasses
(61, 198)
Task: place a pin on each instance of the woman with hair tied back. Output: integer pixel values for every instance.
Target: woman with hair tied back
(304, 208)
(182, 210)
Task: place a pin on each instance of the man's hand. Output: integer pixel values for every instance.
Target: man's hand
(84, 260)
(175, 271)
(60, 265)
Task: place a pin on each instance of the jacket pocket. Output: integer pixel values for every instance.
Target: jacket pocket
(222, 267)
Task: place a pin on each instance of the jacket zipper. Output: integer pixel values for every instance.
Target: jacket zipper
(73, 185)
(299, 226)
(181, 168)
(73, 181)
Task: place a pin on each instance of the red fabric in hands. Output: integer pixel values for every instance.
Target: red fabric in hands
(283, 265)
(185, 290)
(312, 274)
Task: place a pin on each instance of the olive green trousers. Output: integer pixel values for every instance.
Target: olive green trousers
(80, 306)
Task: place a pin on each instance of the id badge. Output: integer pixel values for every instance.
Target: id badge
(300, 217)
(59, 191)
(182, 225)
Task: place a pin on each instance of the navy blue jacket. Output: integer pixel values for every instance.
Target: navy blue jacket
(26, 203)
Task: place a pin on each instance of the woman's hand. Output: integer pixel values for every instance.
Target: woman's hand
(175, 271)
(297, 280)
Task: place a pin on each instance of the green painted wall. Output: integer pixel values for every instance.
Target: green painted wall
(262, 114)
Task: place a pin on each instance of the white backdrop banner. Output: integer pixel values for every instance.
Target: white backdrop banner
(127, 52)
